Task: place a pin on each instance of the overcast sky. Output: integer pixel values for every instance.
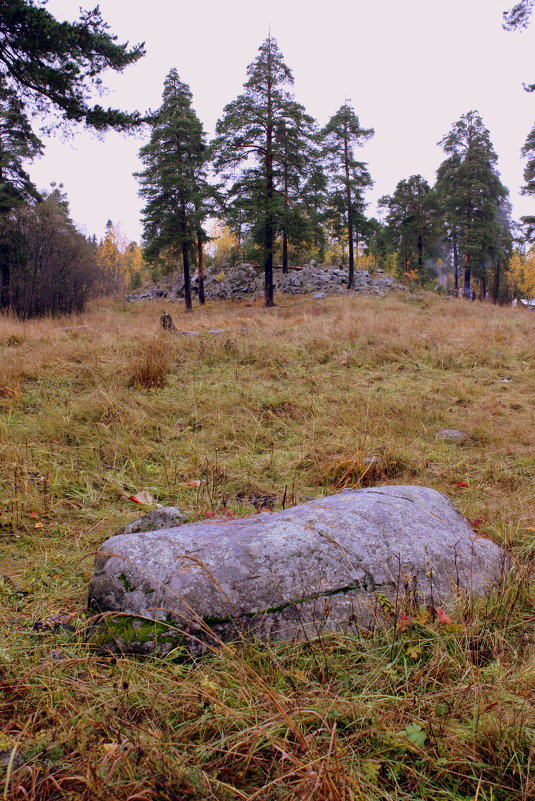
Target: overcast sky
(409, 68)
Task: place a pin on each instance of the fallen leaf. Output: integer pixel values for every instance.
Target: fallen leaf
(38, 525)
(414, 651)
(462, 484)
(416, 734)
(404, 621)
(443, 617)
(143, 497)
(194, 483)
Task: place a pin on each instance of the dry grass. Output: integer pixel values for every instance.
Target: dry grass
(311, 396)
(151, 365)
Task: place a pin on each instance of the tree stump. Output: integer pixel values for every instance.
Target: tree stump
(166, 321)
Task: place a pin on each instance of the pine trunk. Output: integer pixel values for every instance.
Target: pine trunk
(284, 252)
(467, 277)
(185, 256)
(187, 280)
(349, 209)
(456, 266)
(285, 230)
(5, 293)
(268, 263)
(268, 231)
(420, 245)
(496, 288)
(200, 256)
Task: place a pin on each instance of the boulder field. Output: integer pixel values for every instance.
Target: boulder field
(244, 280)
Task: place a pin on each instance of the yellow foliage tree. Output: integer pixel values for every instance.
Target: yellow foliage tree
(121, 262)
(521, 274)
(224, 244)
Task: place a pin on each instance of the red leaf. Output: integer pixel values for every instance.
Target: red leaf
(443, 617)
(462, 484)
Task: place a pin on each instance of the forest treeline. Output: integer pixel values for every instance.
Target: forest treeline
(280, 188)
(287, 190)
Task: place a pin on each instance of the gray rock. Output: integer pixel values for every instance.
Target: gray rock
(315, 567)
(319, 295)
(452, 435)
(166, 517)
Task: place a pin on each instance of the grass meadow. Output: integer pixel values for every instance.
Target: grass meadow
(290, 403)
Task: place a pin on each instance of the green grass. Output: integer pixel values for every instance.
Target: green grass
(294, 404)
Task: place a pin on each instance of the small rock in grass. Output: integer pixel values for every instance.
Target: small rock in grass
(166, 517)
(452, 435)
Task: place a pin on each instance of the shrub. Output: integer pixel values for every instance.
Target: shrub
(150, 365)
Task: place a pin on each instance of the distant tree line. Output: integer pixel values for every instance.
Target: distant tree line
(281, 187)
(284, 187)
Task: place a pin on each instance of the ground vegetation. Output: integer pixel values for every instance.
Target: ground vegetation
(95, 410)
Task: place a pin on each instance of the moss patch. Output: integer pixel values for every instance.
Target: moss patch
(131, 633)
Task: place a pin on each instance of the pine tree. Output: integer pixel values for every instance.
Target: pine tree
(518, 16)
(314, 197)
(528, 151)
(412, 217)
(173, 183)
(54, 66)
(261, 134)
(294, 152)
(470, 193)
(48, 68)
(348, 177)
(18, 144)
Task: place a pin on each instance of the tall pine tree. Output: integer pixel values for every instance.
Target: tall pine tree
(261, 134)
(173, 183)
(470, 193)
(348, 176)
(412, 217)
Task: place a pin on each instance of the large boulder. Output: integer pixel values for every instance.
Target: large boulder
(325, 565)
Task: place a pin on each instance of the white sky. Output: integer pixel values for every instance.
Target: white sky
(410, 68)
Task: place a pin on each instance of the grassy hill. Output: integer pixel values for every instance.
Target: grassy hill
(290, 403)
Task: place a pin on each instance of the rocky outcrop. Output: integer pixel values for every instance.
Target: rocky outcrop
(232, 283)
(325, 565)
